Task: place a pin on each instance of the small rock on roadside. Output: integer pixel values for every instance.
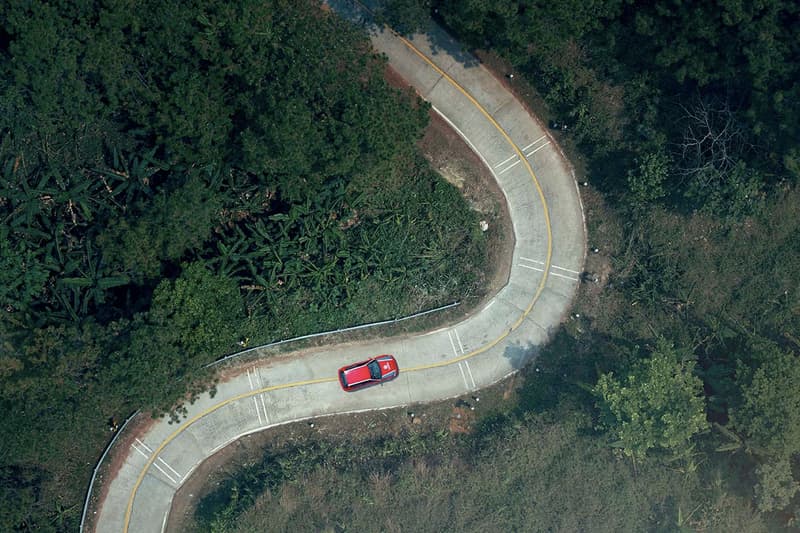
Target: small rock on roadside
(484, 225)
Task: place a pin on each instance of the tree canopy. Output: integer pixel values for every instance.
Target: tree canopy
(657, 405)
(768, 411)
(713, 83)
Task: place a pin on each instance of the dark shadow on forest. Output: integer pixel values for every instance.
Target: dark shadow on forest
(610, 172)
(440, 41)
(566, 368)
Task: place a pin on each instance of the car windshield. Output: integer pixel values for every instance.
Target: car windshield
(374, 370)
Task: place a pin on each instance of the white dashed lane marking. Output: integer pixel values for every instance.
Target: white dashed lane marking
(458, 339)
(515, 158)
(538, 267)
(463, 376)
(458, 350)
(139, 445)
(471, 377)
(255, 383)
(500, 164)
(509, 167)
(537, 149)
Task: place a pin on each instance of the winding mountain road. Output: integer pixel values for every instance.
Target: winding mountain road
(545, 209)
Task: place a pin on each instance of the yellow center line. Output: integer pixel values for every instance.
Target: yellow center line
(195, 418)
(539, 289)
(526, 163)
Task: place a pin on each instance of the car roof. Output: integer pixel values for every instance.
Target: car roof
(358, 374)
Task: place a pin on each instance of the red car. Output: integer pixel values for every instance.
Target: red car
(370, 372)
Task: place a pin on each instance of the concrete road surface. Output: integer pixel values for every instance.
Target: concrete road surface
(497, 340)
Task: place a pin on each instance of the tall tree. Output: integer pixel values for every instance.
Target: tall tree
(192, 320)
(768, 411)
(657, 405)
(776, 487)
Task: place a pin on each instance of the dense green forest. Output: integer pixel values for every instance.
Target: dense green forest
(178, 178)
(674, 392)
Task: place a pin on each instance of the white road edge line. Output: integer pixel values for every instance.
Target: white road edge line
(434, 331)
(469, 142)
(218, 448)
(489, 305)
(164, 522)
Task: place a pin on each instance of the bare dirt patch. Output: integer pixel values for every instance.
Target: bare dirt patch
(599, 302)
(396, 80)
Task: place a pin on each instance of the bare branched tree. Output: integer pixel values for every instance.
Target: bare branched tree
(713, 140)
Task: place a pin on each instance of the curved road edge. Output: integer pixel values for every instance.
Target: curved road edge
(546, 212)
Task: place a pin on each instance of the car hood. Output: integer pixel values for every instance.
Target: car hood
(388, 366)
